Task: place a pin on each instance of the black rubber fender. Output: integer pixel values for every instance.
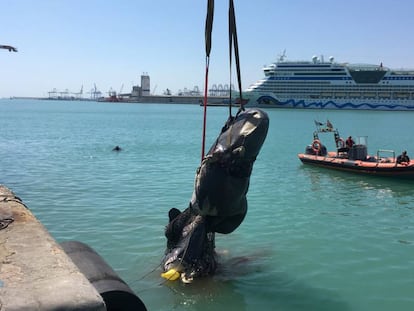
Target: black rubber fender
(117, 295)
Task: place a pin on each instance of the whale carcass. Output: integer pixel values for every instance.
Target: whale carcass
(218, 203)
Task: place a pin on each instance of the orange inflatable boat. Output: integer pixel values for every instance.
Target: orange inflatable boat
(353, 157)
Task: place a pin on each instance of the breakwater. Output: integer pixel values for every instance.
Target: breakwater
(36, 273)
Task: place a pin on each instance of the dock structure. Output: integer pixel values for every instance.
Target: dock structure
(35, 271)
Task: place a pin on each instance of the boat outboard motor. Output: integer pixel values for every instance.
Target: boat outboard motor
(218, 203)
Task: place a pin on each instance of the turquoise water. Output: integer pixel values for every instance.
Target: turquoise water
(313, 239)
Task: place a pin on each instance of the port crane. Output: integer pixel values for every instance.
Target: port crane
(79, 94)
(95, 93)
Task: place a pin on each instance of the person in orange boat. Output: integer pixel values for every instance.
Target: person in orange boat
(403, 158)
(349, 142)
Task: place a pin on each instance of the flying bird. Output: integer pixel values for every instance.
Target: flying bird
(8, 47)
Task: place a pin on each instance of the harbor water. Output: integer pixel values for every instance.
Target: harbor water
(313, 239)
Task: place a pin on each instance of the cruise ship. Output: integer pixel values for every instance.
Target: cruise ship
(327, 84)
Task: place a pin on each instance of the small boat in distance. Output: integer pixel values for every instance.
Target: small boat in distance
(353, 157)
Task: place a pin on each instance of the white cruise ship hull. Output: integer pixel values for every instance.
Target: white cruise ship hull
(272, 101)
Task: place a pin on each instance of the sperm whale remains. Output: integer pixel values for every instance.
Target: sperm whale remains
(218, 203)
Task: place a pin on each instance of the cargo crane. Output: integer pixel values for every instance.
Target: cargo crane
(95, 93)
(120, 90)
(79, 94)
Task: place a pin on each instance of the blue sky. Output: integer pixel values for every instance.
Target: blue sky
(65, 44)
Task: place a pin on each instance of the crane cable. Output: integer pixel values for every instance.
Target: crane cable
(232, 39)
(208, 30)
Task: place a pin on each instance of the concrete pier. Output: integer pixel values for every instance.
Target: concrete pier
(35, 272)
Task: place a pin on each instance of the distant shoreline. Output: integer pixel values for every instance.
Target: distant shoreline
(158, 99)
